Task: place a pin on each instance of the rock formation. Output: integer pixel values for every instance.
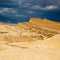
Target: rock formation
(35, 29)
(38, 39)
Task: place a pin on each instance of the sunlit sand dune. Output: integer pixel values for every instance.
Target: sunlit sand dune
(38, 39)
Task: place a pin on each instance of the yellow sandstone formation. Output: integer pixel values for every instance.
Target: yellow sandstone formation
(38, 39)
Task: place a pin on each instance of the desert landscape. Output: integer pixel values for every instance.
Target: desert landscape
(38, 39)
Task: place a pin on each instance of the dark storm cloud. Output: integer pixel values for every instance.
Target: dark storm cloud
(29, 5)
(8, 3)
(19, 3)
(44, 1)
(26, 7)
(47, 4)
(23, 9)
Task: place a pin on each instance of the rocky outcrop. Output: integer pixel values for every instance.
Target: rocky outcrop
(35, 29)
(38, 39)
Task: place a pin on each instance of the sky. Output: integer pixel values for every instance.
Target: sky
(14, 11)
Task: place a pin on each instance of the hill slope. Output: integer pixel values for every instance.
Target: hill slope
(35, 29)
(38, 39)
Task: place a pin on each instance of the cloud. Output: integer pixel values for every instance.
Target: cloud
(10, 12)
(49, 7)
(19, 15)
(37, 4)
(7, 10)
(37, 7)
(30, 12)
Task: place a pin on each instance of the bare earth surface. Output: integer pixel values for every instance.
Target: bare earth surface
(34, 40)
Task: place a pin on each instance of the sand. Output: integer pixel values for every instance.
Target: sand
(48, 49)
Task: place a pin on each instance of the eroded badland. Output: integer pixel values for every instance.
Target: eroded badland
(38, 39)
